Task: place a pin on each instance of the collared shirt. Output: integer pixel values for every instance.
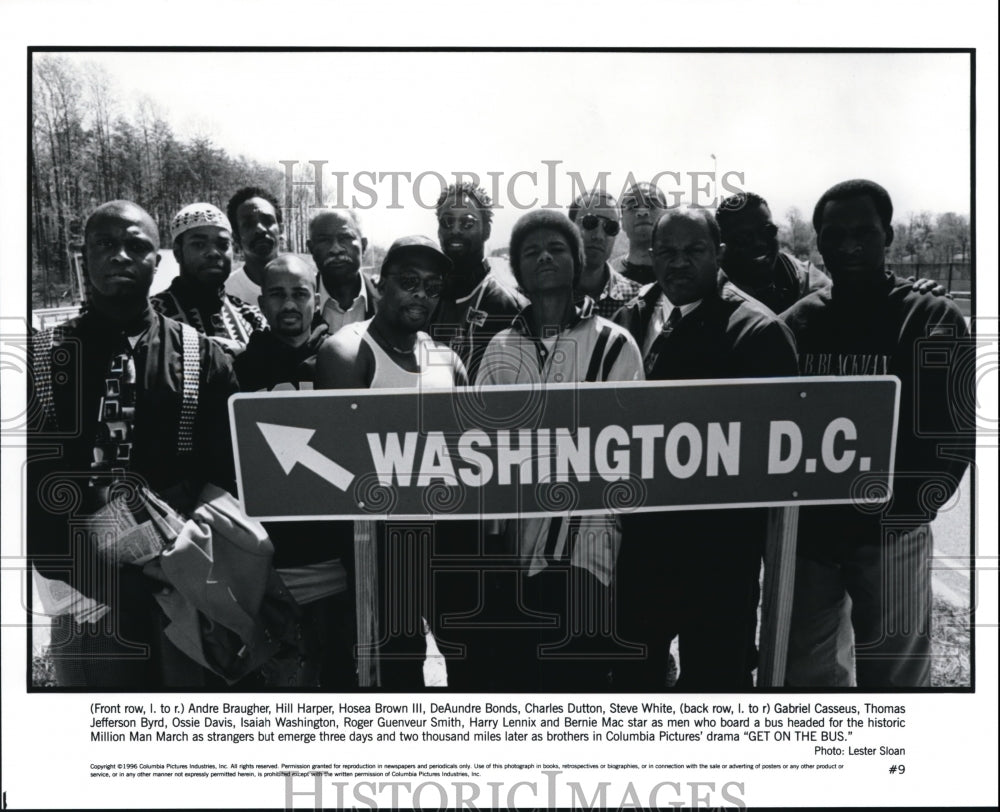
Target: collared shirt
(335, 316)
(617, 292)
(590, 348)
(659, 318)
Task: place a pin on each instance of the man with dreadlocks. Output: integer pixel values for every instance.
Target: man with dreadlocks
(475, 305)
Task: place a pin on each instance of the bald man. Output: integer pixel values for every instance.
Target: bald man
(115, 389)
(313, 558)
(694, 574)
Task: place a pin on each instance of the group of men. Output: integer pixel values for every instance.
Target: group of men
(698, 296)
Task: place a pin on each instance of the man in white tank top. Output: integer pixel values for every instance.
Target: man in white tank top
(391, 350)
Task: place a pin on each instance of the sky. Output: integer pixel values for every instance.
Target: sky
(786, 126)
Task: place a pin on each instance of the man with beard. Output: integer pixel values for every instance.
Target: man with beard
(752, 260)
(255, 219)
(313, 558)
(337, 245)
(474, 306)
(695, 573)
(641, 207)
(203, 247)
(595, 214)
(125, 395)
(390, 350)
(870, 568)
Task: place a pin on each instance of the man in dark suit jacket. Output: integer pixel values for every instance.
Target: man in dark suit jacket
(695, 573)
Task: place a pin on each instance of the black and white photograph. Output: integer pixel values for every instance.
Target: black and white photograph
(423, 396)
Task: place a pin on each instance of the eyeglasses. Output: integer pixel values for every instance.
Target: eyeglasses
(591, 221)
(412, 282)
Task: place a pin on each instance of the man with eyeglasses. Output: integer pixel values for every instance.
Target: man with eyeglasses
(694, 574)
(595, 214)
(753, 261)
(641, 207)
(203, 248)
(475, 304)
(390, 350)
(337, 245)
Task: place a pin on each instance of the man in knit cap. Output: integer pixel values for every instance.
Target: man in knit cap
(203, 248)
(567, 565)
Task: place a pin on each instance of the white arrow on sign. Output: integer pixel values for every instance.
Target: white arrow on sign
(290, 445)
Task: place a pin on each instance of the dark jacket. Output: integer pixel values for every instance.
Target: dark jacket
(923, 340)
(729, 335)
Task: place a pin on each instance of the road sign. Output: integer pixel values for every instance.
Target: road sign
(512, 451)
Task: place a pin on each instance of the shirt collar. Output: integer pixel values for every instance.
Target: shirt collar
(582, 309)
(325, 298)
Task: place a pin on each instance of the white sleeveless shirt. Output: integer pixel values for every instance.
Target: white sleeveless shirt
(436, 361)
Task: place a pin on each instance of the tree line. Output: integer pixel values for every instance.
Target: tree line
(87, 149)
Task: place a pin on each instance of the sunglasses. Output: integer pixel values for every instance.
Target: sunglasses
(411, 283)
(591, 221)
(748, 238)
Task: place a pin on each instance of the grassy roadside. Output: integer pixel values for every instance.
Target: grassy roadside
(949, 669)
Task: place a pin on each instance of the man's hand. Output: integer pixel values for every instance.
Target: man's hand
(924, 286)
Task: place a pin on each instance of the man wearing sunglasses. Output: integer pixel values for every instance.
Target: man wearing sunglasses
(390, 350)
(475, 304)
(641, 207)
(595, 215)
(753, 261)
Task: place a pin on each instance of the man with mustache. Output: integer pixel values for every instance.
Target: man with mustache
(126, 395)
(391, 350)
(474, 305)
(203, 247)
(595, 214)
(255, 219)
(862, 607)
(337, 246)
(641, 207)
(694, 574)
